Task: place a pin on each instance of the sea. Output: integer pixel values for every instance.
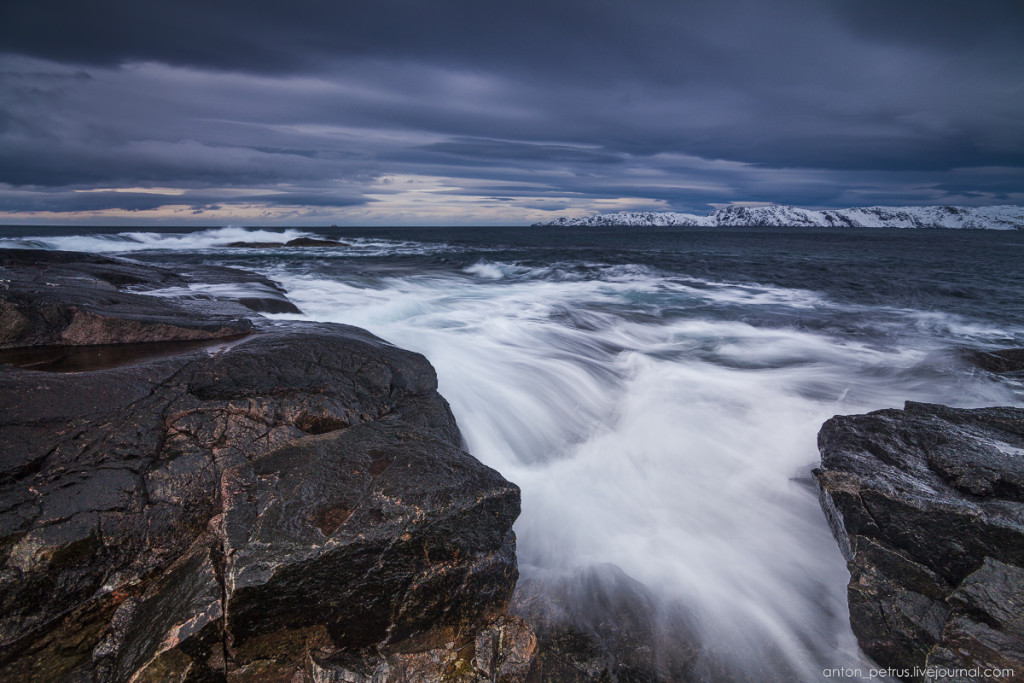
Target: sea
(656, 392)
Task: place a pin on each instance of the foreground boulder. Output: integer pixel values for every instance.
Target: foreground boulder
(289, 505)
(927, 504)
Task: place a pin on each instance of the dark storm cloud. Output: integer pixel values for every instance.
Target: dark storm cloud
(598, 36)
(72, 201)
(945, 25)
(79, 201)
(487, 151)
(268, 36)
(674, 103)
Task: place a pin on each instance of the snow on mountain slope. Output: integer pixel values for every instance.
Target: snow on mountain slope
(639, 218)
(987, 217)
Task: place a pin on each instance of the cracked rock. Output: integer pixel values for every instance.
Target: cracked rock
(259, 510)
(927, 504)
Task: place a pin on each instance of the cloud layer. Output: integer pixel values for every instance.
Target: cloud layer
(407, 111)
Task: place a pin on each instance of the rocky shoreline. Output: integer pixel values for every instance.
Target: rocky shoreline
(280, 501)
(190, 491)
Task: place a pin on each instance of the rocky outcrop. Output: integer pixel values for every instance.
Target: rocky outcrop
(292, 505)
(927, 504)
(67, 299)
(297, 242)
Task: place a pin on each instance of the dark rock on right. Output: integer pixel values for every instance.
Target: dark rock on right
(927, 505)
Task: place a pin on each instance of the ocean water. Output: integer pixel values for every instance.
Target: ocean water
(656, 393)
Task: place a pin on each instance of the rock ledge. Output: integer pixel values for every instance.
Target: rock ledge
(927, 504)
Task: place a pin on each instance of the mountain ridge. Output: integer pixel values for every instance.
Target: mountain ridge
(1004, 217)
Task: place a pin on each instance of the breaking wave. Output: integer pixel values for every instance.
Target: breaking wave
(218, 240)
(146, 241)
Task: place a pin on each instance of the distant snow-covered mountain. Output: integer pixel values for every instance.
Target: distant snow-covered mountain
(986, 217)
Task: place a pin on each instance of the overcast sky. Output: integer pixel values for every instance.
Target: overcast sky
(310, 112)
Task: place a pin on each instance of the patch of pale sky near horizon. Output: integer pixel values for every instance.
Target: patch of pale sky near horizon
(171, 191)
(392, 200)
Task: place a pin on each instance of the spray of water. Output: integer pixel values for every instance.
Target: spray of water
(126, 242)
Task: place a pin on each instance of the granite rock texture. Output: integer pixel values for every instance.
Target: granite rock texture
(927, 504)
(293, 504)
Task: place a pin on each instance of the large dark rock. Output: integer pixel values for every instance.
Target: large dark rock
(927, 504)
(296, 503)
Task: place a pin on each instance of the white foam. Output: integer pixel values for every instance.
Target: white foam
(487, 270)
(200, 290)
(146, 241)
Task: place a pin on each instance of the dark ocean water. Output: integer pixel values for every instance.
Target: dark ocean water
(656, 392)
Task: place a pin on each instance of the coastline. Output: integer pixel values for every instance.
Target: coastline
(242, 409)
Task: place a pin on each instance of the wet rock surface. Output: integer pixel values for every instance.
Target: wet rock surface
(598, 624)
(294, 505)
(927, 504)
(66, 299)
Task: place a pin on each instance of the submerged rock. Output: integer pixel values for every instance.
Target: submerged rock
(1002, 361)
(297, 242)
(292, 506)
(598, 624)
(313, 242)
(927, 504)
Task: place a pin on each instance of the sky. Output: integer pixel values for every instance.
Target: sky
(466, 112)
